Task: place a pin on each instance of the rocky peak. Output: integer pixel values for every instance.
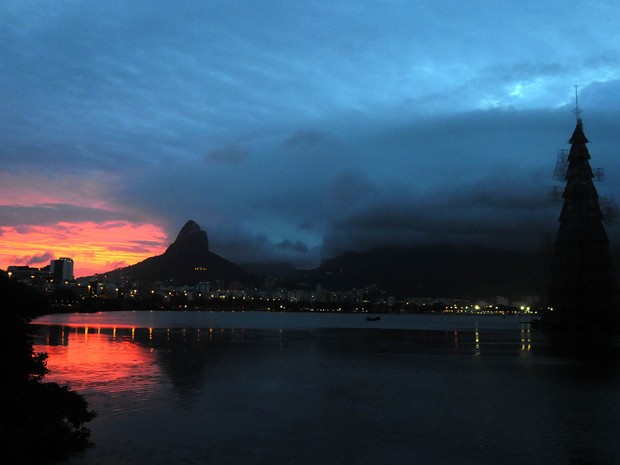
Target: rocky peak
(190, 227)
(192, 236)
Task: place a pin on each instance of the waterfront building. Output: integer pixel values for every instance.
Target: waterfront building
(61, 270)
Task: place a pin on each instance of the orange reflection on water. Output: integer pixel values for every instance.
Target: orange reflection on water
(94, 357)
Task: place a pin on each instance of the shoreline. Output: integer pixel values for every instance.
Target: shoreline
(261, 319)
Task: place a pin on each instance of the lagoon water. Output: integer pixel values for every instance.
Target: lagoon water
(272, 388)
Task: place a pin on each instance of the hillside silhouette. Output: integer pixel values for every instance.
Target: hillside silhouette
(187, 260)
(467, 272)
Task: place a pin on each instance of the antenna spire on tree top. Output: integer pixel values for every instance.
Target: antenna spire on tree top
(577, 110)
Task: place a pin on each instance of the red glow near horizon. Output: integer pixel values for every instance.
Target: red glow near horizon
(94, 247)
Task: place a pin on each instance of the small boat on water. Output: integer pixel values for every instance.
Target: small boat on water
(373, 318)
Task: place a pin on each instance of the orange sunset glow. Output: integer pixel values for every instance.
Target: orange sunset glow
(94, 247)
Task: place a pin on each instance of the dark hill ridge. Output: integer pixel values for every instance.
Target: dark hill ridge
(187, 261)
(438, 271)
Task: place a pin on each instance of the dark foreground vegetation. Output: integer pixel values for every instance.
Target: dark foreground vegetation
(41, 422)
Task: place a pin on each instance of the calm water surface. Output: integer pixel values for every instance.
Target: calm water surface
(263, 388)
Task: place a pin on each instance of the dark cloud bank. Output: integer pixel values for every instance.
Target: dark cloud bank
(475, 179)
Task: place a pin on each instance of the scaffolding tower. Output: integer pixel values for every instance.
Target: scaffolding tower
(583, 289)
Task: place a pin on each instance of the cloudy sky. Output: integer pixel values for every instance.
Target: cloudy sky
(294, 130)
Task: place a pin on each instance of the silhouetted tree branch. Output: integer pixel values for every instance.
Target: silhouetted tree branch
(40, 422)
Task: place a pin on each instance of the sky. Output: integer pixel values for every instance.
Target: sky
(292, 131)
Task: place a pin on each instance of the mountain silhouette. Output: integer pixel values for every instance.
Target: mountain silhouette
(438, 271)
(186, 261)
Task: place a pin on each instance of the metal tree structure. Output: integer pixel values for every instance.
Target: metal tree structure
(583, 289)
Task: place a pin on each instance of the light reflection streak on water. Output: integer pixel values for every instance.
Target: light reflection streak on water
(108, 366)
(526, 338)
